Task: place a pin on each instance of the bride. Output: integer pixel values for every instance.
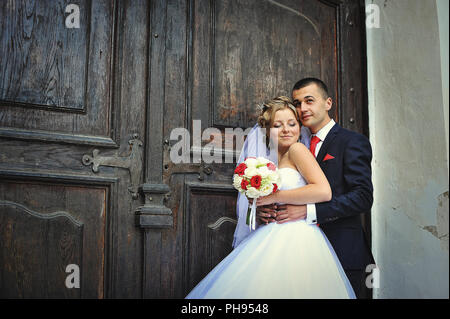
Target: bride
(289, 260)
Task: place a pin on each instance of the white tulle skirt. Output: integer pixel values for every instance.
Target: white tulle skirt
(290, 260)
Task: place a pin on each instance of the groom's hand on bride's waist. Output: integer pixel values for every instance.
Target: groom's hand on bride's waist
(286, 213)
(280, 213)
(266, 214)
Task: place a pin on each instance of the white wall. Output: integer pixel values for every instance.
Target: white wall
(408, 123)
(442, 9)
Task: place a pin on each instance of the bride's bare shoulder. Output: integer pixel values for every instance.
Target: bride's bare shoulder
(297, 148)
(299, 153)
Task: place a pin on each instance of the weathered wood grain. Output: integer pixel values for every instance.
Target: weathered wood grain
(44, 228)
(52, 78)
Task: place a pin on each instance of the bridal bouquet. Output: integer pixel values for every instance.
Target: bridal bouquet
(256, 177)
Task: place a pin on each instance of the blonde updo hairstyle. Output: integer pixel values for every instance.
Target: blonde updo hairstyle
(267, 116)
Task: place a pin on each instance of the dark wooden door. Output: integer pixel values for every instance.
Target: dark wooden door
(64, 93)
(87, 118)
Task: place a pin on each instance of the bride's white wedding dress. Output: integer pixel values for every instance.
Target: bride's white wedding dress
(290, 260)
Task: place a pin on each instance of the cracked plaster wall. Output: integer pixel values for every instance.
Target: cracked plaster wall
(408, 122)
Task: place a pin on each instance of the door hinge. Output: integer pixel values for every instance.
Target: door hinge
(132, 162)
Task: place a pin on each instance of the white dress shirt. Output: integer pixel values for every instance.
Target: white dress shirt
(311, 216)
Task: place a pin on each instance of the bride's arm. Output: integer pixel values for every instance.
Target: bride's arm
(317, 190)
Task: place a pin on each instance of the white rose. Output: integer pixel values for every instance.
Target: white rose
(275, 179)
(264, 172)
(251, 162)
(237, 180)
(262, 161)
(273, 176)
(266, 189)
(252, 192)
(250, 172)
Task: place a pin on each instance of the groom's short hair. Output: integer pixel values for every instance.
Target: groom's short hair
(308, 81)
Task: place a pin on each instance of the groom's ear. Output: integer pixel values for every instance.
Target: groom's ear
(328, 103)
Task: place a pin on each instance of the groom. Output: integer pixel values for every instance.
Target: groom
(345, 158)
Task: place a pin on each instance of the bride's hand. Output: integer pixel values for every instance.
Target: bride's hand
(265, 200)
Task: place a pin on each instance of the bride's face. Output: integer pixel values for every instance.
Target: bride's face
(286, 126)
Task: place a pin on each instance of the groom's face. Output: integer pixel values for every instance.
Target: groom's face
(312, 107)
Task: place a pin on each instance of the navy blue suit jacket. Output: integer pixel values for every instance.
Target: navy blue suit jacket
(350, 176)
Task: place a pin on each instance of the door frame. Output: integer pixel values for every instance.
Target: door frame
(352, 78)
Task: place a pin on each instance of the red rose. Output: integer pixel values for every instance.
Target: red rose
(244, 184)
(256, 181)
(271, 166)
(275, 187)
(240, 169)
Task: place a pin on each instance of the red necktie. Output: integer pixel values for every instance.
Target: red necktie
(312, 147)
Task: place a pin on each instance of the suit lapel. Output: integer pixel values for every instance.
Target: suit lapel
(328, 141)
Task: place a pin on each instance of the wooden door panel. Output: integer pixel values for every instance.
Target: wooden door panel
(210, 220)
(33, 266)
(242, 55)
(43, 61)
(56, 80)
(40, 238)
